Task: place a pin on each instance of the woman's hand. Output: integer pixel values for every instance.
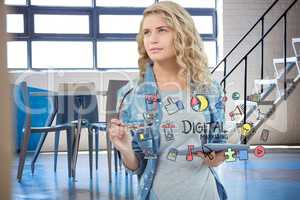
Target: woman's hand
(213, 159)
(118, 135)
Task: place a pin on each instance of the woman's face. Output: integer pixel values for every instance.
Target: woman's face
(158, 38)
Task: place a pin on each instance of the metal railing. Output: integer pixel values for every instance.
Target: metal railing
(245, 57)
(224, 60)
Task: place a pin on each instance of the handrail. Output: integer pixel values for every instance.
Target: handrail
(245, 35)
(259, 41)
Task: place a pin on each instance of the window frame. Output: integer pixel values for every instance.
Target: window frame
(94, 35)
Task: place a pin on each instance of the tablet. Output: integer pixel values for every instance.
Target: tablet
(209, 147)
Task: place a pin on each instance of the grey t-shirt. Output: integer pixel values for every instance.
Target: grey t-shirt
(181, 177)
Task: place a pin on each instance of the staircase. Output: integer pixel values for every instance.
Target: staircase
(268, 93)
(271, 86)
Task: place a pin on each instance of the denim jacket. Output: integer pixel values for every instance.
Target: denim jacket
(133, 108)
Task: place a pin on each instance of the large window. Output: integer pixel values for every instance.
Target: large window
(89, 34)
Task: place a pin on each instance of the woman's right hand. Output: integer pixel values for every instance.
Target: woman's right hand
(118, 135)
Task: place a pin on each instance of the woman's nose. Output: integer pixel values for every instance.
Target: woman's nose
(153, 38)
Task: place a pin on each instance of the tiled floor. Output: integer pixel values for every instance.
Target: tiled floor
(276, 176)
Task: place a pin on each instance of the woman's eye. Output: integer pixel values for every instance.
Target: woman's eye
(162, 30)
(146, 32)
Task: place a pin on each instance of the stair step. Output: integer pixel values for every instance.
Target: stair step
(249, 103)
(265, 102)
(296, 40)
(265, 81)
(281, 60)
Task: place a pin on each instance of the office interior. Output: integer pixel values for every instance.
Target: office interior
(85, 50)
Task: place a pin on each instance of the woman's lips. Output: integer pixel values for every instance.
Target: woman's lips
(155, 50)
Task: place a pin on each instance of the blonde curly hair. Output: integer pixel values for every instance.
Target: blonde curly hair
(187, 43)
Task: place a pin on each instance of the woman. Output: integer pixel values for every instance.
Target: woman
(167, 111)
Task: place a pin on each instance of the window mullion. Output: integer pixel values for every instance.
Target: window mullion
(94, 27)
(30, 30)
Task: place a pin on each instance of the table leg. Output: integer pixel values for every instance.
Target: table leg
(90, 132)
(76, 142)
(108, 144)
(70, 142)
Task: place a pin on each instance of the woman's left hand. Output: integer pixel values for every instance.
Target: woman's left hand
(213, 159)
